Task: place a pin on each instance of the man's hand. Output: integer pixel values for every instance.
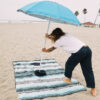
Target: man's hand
(44, 50)
(49, 36)
(46, 35)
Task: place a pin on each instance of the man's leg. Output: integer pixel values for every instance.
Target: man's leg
(86, 65)
(72, 61)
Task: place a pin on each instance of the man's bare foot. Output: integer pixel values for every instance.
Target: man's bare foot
(67, 80)
(93, 92)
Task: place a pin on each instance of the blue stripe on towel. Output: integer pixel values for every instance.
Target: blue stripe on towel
(43, 85)
(51, 93)
(32, 73)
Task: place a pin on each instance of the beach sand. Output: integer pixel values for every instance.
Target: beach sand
(23, 41)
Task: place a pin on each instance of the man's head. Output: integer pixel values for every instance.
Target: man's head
(57, 33)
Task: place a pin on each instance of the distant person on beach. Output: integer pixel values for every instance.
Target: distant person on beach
(80, 53)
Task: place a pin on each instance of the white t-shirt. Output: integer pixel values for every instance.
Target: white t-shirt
(69, 43)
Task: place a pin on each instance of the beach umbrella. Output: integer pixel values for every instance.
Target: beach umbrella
(50, 11)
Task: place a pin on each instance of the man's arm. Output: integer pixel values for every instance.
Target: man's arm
(49, 36)
(48, 50)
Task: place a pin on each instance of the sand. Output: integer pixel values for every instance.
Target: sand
(23, 41)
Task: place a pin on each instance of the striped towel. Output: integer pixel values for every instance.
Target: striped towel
(30, 86)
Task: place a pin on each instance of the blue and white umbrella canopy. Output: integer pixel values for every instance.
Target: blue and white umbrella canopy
(50, 11)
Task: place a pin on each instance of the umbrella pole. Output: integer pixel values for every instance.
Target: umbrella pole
(44, 43)
(46, 33)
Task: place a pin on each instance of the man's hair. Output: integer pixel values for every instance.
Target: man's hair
(57, 33)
